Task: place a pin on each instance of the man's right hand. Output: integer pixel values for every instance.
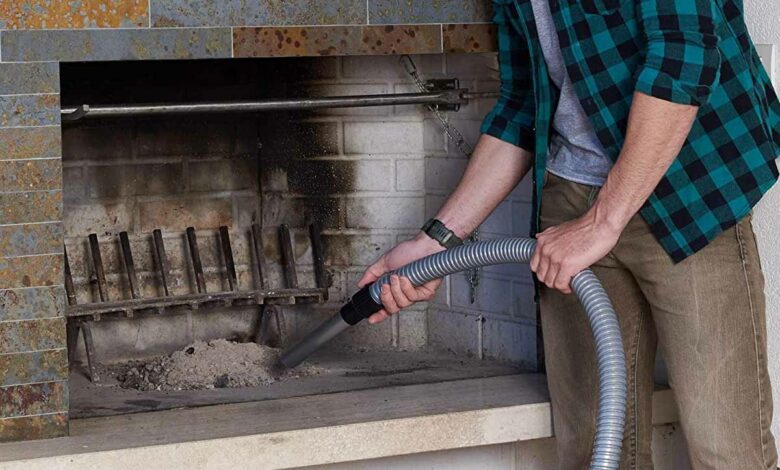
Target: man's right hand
(400, 293)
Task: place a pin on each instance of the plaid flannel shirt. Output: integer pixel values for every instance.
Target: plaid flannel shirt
(694, 52)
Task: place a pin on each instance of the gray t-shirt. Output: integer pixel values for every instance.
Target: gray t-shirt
(575, 152)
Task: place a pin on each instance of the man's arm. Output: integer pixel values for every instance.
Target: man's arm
(493, 171)
(656, 132)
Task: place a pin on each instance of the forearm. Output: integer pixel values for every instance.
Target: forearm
(495, 168)
(656, 132)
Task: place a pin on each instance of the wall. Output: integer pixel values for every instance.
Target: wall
(37, 35)
(763, 19)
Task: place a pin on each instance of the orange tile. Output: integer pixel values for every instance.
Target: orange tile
(61, 14)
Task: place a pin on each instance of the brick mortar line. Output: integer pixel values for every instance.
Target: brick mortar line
(65, 412)
(33, 351)
(65, 381)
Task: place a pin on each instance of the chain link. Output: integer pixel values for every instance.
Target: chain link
(454, 135)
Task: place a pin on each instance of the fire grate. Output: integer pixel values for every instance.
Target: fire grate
(81, 316)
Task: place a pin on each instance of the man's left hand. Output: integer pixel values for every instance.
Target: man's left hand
(565, 250)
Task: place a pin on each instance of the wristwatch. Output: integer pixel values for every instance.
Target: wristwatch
(435, 229)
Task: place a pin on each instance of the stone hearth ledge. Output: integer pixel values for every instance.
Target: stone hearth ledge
(313, 430)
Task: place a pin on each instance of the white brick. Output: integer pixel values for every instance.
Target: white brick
(103, 219)
(465, 66)
(385, 213)
(382, 137)
(434, 139)
(510, 341)
(373, 175)
(500, 221)
(410, 175)
(524, 190)
(443, 173)
(355, 250)
(390, 67)
(469, 129)
(432, 205)
(521, 218)
(523, 299)
(413, 330)
(454, 332)
(493, 295)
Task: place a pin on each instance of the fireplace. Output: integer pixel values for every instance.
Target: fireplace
(185, 229)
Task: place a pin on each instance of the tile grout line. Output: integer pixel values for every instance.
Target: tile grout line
(33, 351)
(51, 413)
(65, 381)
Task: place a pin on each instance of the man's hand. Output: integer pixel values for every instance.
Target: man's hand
(401, 293)
(565, 250)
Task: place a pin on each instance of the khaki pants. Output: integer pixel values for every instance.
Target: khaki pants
(707, 316)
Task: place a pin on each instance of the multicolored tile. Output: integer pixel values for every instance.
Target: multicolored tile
(336, 40)
(33, 399)
(33, 427)
(48, 14)
(115, 44)
(31, 142)
(469, 37)
(33, 367)
(29, 110)
(32, 303)
(429, 11)
(31, 271)
(30, 207)
(20, 78)
(32, 239)
(30, 175)
(268, 12)
(32, 335)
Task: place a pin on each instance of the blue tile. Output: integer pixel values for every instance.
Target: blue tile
(116, 44)
(268, 12)
(32, 303)
(29, 110)
(21, 78)
(429, 11)
(38, 366)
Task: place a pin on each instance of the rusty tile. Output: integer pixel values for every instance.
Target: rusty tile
(33, 399)
(31, 271)
(428, 11)
(30, 142)
(32, 335)
(176, 214)
(29, 110)
(30, 175)
(267, 12)
(32, 303)
(33, 367)
(469, 38)
(115, 44)
(30, 207)
(336, 40)
(33, 427)
(20, 78)
(33, 239)
(47, 14)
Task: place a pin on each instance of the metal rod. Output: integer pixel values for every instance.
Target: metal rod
(127, 256)
(443, 97)
(227, 253)
(97, 265)
(192, 241)
(70, 291)
(89, 347)
(162, 259)
(288, 257)
(259, 254)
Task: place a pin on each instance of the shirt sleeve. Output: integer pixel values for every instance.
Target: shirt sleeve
(512, 118)
(682, 60)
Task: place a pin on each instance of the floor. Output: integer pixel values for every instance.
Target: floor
(341, 371)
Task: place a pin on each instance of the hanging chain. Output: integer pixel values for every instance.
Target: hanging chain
(454, 135)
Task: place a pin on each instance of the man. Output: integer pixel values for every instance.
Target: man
(651, 129)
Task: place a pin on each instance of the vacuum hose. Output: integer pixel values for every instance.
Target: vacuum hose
(601, 315)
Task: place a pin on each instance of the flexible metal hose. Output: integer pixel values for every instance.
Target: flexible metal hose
(611, 359)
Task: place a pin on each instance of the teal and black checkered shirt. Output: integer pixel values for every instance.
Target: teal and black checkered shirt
(695, 52)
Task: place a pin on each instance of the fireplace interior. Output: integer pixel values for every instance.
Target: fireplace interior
(185, 229)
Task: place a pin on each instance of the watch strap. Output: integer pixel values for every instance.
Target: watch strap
(436, 229)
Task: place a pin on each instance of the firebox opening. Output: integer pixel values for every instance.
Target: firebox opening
(253, 228)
